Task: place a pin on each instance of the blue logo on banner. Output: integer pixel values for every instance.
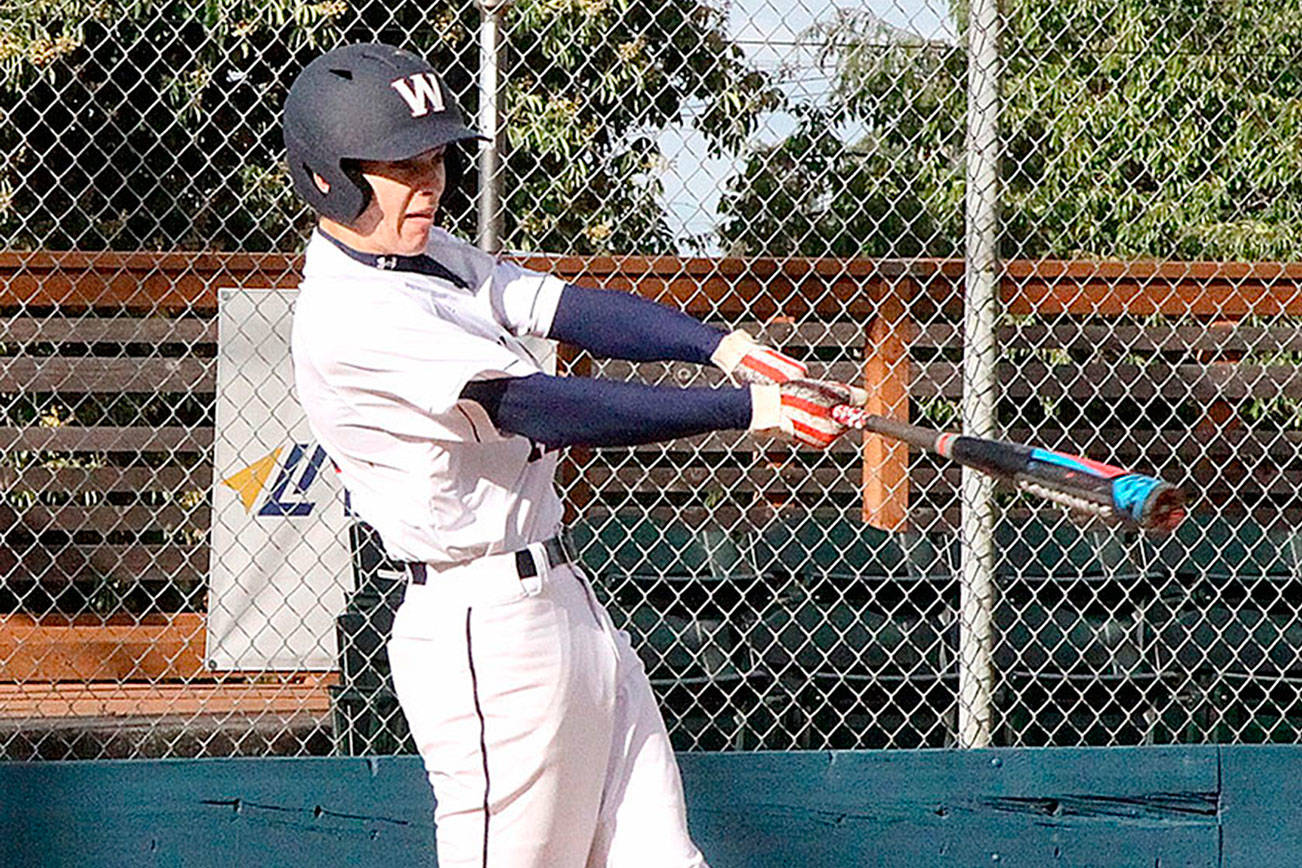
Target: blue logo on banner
(288, 494)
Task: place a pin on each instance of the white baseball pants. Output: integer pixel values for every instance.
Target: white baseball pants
(536, 723)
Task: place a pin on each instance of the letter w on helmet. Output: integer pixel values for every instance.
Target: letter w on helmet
(421, 92)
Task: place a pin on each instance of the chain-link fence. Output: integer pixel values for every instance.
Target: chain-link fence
(820, 175)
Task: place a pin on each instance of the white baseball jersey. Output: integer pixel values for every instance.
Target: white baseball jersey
(380, 358)
(576, 769)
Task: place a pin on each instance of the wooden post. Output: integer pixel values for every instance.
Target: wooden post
(886, 379)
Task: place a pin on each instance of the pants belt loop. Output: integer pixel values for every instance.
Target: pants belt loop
(531, 562)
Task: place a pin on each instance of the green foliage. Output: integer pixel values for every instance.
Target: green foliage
(897, 190)
(1169, 129)
(1130, 129)
(591, 84)
(942, 413)
(131, 123)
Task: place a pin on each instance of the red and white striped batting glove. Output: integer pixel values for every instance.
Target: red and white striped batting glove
(748, 362)
(801, 410)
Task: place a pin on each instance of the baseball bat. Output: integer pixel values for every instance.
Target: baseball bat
(1080, 484)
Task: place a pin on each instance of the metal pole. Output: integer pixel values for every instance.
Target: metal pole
(976, 597)
(489, 234)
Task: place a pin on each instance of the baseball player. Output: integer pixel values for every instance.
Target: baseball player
(533, 715)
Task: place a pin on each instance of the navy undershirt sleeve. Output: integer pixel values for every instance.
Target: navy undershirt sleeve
(576, 411)
(621, 325)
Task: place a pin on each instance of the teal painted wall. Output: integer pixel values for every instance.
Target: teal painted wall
(1156, 807)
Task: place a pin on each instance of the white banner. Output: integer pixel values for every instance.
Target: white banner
(280, 564)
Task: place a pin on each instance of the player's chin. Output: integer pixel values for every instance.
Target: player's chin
(414, 232)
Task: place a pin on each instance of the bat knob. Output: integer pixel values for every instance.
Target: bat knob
(1166, 510)
(1154, 505)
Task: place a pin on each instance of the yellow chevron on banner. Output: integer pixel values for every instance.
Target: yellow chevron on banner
(250, 481)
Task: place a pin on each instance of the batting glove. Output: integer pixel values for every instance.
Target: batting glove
(801, 410)
(747, 362)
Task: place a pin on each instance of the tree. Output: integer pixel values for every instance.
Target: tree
(1130, 129)
(1170, 129)
(591, 85)
(146, 123)
(895, 190)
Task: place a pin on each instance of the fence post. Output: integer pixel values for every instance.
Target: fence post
(981, 286)
(491, 42)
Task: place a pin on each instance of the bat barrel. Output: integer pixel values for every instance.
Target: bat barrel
(1084, 486)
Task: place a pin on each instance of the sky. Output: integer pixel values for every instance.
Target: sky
(770, 32)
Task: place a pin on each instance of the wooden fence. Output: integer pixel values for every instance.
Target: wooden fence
(108, 368)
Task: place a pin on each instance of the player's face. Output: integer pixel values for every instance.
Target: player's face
(405, 198)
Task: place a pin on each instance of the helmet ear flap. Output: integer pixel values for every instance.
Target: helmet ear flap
(346, 192)
(359, 188)
(347, 196)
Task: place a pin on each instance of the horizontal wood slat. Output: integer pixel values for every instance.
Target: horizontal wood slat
(182, 282)
(1217, 289)
(140, 281)
(106, 479)
(1201, 383)
(104, 518)
(1091, 336)
(52, 566)
(73, 438)
(109, 330)
(89, 374)
(806, 333)
(166, 649)
(308, 693)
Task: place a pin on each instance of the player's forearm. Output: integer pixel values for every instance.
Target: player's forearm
(572, 411)
(620, 325)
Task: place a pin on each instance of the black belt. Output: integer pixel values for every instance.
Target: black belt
(557, 549)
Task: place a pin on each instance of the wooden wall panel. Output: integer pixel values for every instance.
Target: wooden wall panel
(1190, 806)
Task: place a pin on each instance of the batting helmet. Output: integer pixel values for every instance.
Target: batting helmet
(363, 102)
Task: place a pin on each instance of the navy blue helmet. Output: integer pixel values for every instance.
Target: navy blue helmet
(363, 102)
